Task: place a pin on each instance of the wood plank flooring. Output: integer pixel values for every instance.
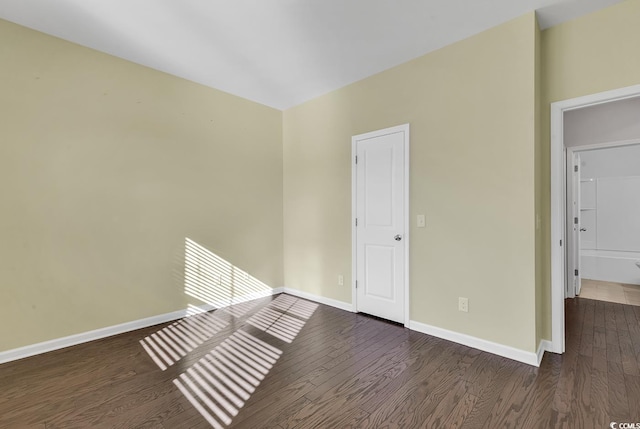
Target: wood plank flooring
(283, 363)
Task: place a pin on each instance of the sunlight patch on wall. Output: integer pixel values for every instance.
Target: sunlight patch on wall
(220, 383)
(214, 281)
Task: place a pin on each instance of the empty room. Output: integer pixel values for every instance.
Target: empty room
(193, 232)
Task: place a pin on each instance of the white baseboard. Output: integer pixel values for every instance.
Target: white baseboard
(530, 358)
(467, 340)
(72, 340)
(544, 346)
(85, 337)
(319, 299)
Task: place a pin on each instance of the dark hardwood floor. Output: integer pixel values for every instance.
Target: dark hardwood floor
(287, 364)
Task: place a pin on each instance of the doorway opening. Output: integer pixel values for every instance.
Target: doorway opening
(560, 213)
(603, 207)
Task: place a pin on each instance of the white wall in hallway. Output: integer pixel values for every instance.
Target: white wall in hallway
(619, 161)
(603, 123)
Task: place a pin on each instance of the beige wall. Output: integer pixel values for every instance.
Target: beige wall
(591, 54)
(595, 53)
(105, 168)
(471, 107)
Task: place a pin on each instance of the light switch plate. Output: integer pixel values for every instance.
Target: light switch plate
(421, 221)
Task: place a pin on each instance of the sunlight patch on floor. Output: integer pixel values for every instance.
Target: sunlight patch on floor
(172, 343)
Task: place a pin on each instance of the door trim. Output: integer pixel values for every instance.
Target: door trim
(558, 200)
(354, 269)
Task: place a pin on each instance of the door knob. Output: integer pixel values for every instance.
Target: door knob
(397, 237)
(583, 229)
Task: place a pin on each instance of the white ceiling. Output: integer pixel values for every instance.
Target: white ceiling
(276, 52)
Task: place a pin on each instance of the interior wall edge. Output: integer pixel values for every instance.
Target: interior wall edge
(544, 346)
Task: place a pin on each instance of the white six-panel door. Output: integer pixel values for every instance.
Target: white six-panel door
(380, 234)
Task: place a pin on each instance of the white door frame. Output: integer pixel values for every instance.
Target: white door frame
(405, 234)
(558, 199)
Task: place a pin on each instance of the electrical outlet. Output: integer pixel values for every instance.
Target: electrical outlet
(340, 280)
(463, 304)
